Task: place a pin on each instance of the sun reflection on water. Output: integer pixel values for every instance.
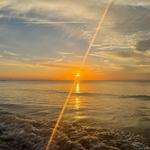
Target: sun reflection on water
(77, 87)
(77, 100)
(77, 103)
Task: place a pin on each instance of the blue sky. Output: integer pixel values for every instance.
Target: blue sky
(49, 37)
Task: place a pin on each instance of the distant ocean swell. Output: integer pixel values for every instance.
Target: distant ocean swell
(20, 133)
(142, 97)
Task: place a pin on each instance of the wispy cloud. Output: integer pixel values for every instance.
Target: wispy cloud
(47, 8)
(135, 2)
(65, 53)
(9, 53)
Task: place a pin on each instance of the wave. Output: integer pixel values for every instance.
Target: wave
(143, 97)
(21, 133)
(140, 97)
(83, 93)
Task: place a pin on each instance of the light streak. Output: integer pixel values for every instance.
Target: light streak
(100, 23)
(60, 116)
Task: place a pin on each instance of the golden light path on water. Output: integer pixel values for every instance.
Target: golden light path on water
(100, 23)
(77, 87)
(77, 104)
(77, 101)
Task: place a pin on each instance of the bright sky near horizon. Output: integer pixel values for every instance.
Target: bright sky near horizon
(47, 39)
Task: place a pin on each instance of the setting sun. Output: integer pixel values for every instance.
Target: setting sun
(78, 75)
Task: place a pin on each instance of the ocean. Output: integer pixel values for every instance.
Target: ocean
(111, 115)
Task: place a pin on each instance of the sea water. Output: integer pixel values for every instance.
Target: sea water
(118, 106)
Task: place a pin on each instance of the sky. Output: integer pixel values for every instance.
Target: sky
(47, 39)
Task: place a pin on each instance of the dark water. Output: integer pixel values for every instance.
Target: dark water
(100, 115)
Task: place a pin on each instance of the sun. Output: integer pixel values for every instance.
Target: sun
(77, 75)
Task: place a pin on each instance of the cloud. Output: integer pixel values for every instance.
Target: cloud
(121, 54)
(134, 3)
(65, 53)
(129, 60)
(53, 22)
(59, 65)
(61, 61)
(115, 55)
(131, 19)
(143, 45)
(10, 53)
(45, 8)
(6, 53)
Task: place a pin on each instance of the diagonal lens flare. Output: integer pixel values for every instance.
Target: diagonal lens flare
(100, 23)
(60, 117)
(98, 28)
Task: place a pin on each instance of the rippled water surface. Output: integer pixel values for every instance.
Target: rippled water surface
(113, 105)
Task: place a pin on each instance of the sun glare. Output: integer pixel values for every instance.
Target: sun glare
(77, 75)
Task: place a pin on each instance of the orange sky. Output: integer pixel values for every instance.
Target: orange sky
(38, 73)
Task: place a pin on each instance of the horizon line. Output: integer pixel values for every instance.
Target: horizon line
(72, 80)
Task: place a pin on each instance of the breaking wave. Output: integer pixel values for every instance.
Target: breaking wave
(21, 133)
